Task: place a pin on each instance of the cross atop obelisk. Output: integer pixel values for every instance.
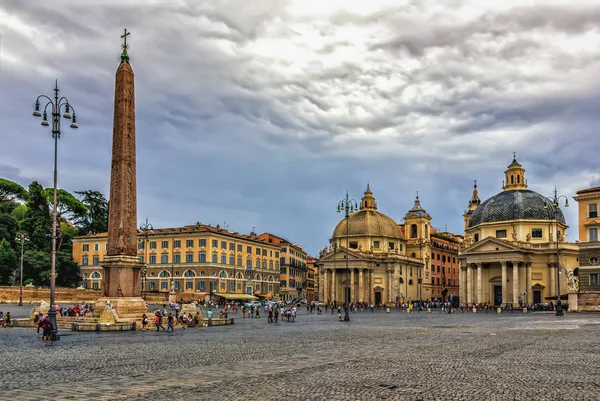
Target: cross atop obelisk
(125, 46)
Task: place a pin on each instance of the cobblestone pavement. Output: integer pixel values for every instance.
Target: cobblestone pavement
(396, 356)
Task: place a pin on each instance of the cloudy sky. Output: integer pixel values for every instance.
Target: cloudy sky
(262, 114)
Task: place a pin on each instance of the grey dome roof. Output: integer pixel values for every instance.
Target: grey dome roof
(515, 205)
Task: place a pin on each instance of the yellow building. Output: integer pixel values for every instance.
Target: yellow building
(379, 270)
(312, 278)
(511, 246)
(589, 249)
(293, 271)
(192, 261)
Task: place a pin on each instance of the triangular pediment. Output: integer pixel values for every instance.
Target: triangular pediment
(340, 255)
(491, 244)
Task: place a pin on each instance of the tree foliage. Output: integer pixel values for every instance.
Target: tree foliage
(7, 261)
(96, 219)
(10, 191)
(66, 204)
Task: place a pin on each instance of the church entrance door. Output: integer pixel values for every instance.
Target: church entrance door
(377, 297)
(537, 297)
(497, 295)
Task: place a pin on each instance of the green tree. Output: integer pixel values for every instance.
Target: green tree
(8, 228)
(37, 222)
(10, 191)
(96, 219)
(67, 206)
(8, 261)
(37, 265)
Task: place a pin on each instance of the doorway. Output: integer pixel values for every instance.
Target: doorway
(497, 295)
(537, 297)
(377, 298)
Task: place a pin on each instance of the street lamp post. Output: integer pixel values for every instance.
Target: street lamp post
(57, 105)
(146, 228)
(22, 237)
(555, 200)
(349, 206)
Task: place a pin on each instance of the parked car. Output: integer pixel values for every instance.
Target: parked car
(252, 304)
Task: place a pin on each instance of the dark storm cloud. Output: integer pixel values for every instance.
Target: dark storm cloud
(263, 115)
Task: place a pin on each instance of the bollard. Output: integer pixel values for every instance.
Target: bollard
(209, 322)
(231, 320)
(499, 310)
(73, 326)
(524, 310)
(428, 310)
(97, 327)
(474, 310)
(133, 326)
(387, 310)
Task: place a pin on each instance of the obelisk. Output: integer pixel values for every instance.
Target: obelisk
(121, 266)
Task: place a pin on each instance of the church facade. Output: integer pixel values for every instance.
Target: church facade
(384, 266)
(515, 248)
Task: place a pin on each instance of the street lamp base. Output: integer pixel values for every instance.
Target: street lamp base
(559, 310)
(20, 302)
(346, 315)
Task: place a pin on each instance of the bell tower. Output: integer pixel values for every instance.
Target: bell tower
(368, 202)
(474, 203)
(514, 176)
(417, 222)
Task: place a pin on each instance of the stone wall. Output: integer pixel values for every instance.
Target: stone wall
(589, 301)
(37, 294)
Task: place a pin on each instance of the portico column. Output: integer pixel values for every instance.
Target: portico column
(361, 290)
(389, 279)
(333, 285)
(396, 283)
(552, 273)
(515, 284)
(461, 286)
(504, 289)
(529, 296)
(469, 284)
(352, 296)
(325, 289)
(479, 294)
(371, 288)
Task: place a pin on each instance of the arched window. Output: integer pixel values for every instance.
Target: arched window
(518, 179)
(413, 231)
(239, 276)
(512, 179)
(414, 255)
(189, 273)
(257, 277)
(223, 274)
(271, 278)
(95, 275)
(426, 231)
(410, 282)
(401, 280)
(164, 274)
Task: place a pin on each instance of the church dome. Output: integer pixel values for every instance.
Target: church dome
(515, 205)
(368, 221)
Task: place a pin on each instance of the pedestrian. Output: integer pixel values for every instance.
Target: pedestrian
(270, 316)
(276, 314)
(170, 322)
(158, 321)
(7, 320)
(47, 327)
(144, 322)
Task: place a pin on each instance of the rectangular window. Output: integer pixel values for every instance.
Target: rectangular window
(189, 285)
(176, 258)
(592, 210)
(593, 279)
(264, 252)
(239, 285)
(152, 285)
(265, 264)
(240, 263)
(223, 259)
(391, 245)
(249, 264)
(202, 242)
(231, 287)
(593, 234)
(95, 285)
(239, 248)
(200, 285)
(176, 243)
(231, 246)
(164, 245)
(189, 258)
(215, 258)
(249, 249)
(189, 243)
(84, 261)
(536, 233)
(202, 257)
(232, 260)
(141, 245)
(96, 261)
(276, 254)
(177, 285)
(152, 259)
(141, 257)
(223, 285)
(271, 265)
(164, 258)
(215, 243)
(500, 233)
(376, 244)
(283, 283)
(86, 247)
(258, 251)
(152, 244)
(258, 264)
(271, 254)
(96, 247)
(276, 265)
(353, 245)
(223, 244)
(164, 285)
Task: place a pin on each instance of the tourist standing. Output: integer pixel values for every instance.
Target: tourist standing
(144, 322)
(170, 322)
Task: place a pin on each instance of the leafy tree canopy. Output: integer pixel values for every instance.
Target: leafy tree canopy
(66, 203)
(8, 261)
(96, 219)
(11, 191)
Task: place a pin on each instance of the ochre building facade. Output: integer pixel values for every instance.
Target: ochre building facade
(589, 249)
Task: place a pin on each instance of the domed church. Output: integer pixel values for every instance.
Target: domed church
(511, 246)
(380, 272)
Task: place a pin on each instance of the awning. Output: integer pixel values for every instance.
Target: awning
(241, 297)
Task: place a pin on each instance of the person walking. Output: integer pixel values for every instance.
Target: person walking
(158, 321)
(170, 322)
